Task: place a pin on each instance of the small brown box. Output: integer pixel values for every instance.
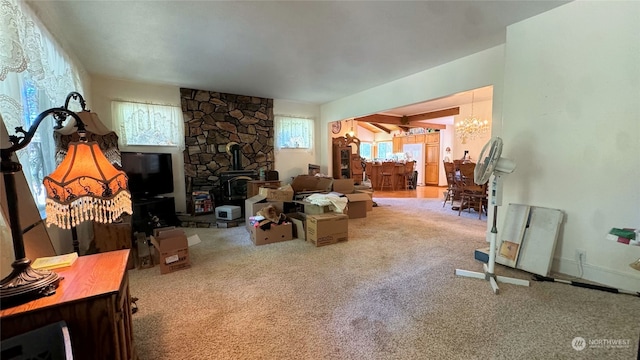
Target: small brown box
(276, 233)
(173, 249)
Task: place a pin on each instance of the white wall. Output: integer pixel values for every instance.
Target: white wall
(572, 123)
(478, 70)
(292, 162)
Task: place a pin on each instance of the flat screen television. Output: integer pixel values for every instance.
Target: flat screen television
(150, 174)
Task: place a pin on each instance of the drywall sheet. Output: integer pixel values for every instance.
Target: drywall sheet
(512, 234)
(539, 242)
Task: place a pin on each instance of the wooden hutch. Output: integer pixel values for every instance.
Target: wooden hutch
(347, 163)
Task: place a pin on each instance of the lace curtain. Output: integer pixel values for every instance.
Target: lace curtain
(293, 132)
(148, 124)
(35, 75)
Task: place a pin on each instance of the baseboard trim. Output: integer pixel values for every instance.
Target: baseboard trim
(607, 277)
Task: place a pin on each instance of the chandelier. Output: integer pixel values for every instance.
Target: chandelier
(471, 127)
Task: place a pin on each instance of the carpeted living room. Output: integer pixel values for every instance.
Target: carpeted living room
(478, 144)
(389, 292)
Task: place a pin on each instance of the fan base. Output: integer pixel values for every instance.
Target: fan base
(492, 278)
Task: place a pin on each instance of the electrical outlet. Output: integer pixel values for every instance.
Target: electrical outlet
(581, 256)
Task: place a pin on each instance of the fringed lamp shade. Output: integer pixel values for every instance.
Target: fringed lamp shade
(85, 186)
(95, 131)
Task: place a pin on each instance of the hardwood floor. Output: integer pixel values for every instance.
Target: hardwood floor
(423, 192)
(419, 192)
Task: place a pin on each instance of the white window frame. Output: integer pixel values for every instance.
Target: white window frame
(378, 155)
(144, 124)
(294, 132)
(371, 148)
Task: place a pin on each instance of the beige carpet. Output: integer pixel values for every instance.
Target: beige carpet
(388, 293)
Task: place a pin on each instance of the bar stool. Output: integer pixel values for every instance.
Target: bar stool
(386, 175)
(405, 175)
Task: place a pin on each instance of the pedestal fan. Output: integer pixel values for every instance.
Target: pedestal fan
(490, 163)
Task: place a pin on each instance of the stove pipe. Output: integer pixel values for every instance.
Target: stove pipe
(236, 162)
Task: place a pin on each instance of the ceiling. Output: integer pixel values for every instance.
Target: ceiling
(306, 51)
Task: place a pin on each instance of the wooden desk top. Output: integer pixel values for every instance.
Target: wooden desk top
(89, 276)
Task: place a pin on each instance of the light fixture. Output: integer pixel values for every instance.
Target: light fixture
(84, 187)
(471, 127)
(352, 133)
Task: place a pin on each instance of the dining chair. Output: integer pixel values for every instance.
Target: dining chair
(452, 191)
(472, 195)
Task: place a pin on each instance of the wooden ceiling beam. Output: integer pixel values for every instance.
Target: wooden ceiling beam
(410, 121)
(434, 114)
(388, 131)
(379, 118)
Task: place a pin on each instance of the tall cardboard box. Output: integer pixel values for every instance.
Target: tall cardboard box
(173, 249)
(327, 229)
(276, 233)
(357, 205)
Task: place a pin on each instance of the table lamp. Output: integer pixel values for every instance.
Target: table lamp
(85, 186)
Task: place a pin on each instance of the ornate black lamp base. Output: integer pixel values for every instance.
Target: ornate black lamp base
(26, 283)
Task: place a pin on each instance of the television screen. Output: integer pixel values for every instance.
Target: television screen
(150, 174)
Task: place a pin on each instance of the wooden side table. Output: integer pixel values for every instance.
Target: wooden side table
(253, 186)
(93, 299)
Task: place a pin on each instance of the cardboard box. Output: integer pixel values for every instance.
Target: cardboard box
(327, 229)
(370, 201)
(255, 203)
(277, 233)
(283, 193)
(173, 249)
(312, 209)
(357, 205)
(346, 186)
(308, 184)
(299, 225)
(343, 186)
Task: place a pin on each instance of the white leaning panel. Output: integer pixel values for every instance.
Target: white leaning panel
(539, 242)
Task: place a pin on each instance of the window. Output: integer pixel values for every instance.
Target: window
(385, 150)
(366, 150)
(293, 132)
(148, 124)
(35, 75)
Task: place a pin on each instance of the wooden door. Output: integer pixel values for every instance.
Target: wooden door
(432, 164)
(432, 159)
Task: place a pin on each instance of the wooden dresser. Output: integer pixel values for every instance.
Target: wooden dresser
(93, 299)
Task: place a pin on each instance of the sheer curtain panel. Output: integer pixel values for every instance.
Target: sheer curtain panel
(35, 74)
(293, 132)
(148, 124)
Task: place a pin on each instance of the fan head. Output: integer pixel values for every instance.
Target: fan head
(490, 162)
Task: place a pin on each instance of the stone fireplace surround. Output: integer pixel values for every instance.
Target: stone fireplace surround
(212, 120)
